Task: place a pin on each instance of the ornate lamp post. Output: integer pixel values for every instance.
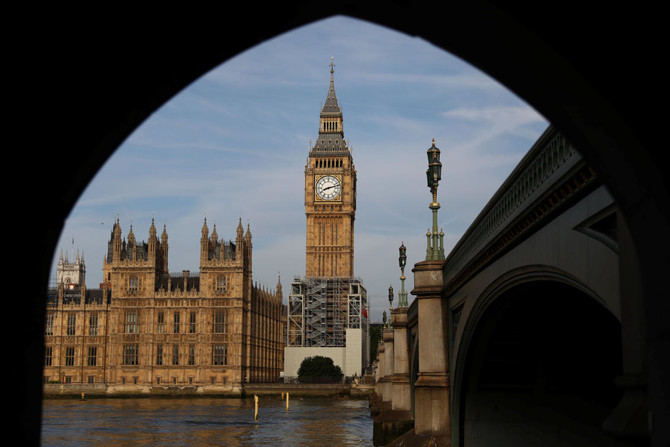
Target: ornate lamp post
(390, 304)
(433, 177)
(402, 261)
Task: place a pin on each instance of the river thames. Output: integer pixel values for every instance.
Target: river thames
(207, 422)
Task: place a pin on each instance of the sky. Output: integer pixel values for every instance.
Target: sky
(233, 145)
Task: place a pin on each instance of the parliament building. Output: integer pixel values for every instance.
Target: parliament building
(148, 330)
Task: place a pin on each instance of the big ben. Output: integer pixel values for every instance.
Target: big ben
(330, 196)
(327, 308)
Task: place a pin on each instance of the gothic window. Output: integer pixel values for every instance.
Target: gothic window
(49, 326)
(191, 354)
(159, 355)
(93, 324)
(71, 324)
(69, 356)
(133, 283)
(175, 354)
(161, 322)
(219, 355)
(131, 354)
(48, 356)
(219, 322)
(132, 322)
(220, 283)
(191, 322)
(175, 323)
(92, 356)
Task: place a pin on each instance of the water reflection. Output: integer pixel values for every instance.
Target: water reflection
(206, 421)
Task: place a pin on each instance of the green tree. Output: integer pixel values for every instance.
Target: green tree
(319, 369)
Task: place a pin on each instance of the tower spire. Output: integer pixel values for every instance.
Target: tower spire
(331, 106)
(331, 131)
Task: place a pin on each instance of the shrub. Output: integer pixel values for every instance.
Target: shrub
(319, 369)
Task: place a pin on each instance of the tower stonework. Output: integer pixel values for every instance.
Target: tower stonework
(330, 196)
(71, 274)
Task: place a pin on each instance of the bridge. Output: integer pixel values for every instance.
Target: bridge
(529, 332)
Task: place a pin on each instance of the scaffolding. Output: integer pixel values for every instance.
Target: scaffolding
(321, 309)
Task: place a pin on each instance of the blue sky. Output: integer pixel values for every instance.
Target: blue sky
(234, 144)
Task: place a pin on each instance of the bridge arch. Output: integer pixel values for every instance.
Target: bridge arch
(536, 363)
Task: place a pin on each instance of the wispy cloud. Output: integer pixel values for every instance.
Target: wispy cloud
(234, 144)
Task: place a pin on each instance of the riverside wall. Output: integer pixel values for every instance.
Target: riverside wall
(59, 390)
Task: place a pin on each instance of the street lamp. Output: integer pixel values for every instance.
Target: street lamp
(402, 261)
(390, 304)
(433, 177)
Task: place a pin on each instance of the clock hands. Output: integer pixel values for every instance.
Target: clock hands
(328, 187)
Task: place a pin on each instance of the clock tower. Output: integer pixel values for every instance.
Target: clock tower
(330, 196)
(328, 307)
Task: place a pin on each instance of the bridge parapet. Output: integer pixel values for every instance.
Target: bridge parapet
(551, 175)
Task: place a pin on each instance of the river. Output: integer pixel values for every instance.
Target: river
(206, 421)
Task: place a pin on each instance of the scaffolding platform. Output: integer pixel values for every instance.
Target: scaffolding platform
(320, 310)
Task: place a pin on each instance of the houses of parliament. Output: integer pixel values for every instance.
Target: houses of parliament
(147, 329)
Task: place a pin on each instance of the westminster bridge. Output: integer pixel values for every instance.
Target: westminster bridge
(592, 72)
(528, 333)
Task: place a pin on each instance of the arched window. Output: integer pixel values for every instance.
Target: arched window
(133, 283)
(220, 283)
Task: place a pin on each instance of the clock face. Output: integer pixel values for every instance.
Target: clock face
(328, 187)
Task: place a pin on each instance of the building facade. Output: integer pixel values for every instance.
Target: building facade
(147, 328)
(327, 309)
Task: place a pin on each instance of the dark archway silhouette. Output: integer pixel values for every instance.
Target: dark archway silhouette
(542, 369)
(83, 84)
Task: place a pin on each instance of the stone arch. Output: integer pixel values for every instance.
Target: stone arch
(581, 94)
(531, 378)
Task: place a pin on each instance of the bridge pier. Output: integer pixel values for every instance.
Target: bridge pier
(387, 336)
(630, 419)
(401, 400)
(431, 390)
(393, 416)
(379, 372)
